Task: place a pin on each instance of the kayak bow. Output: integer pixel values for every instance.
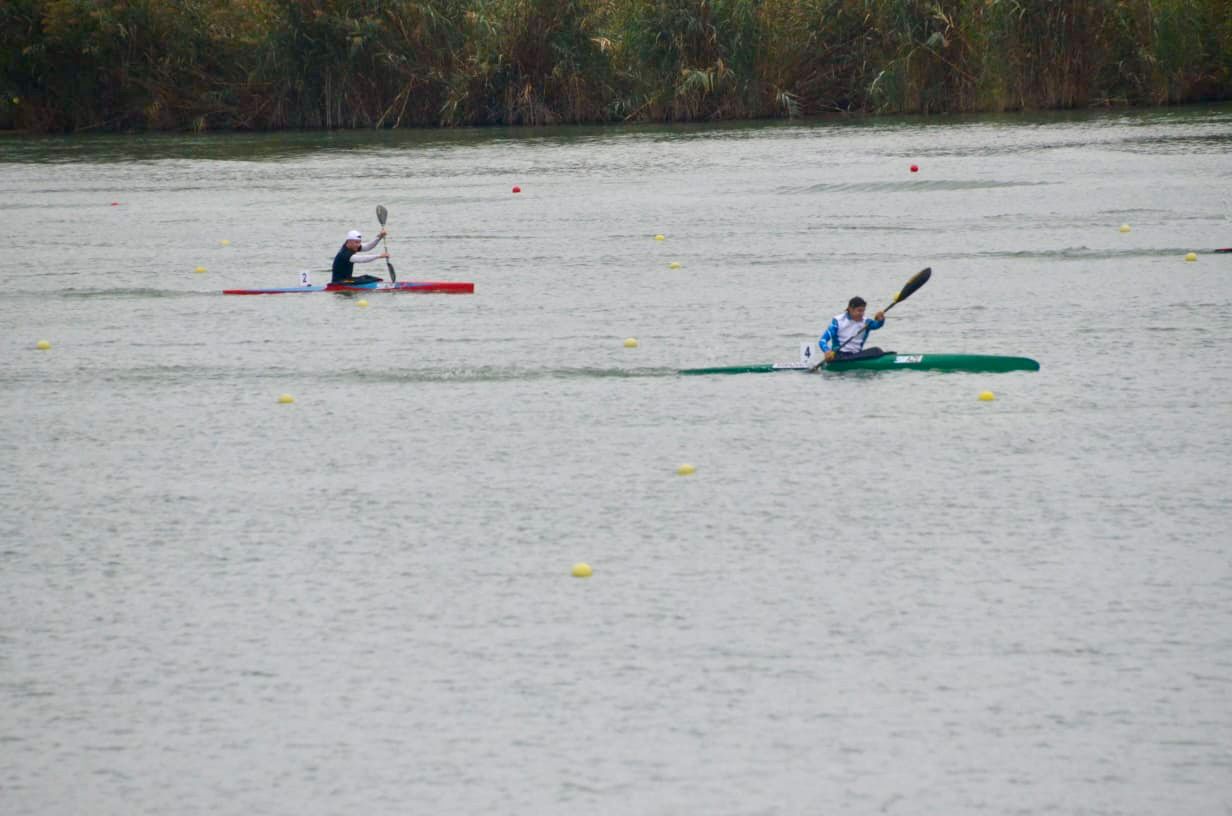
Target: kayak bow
(401, 287)
(890, 361)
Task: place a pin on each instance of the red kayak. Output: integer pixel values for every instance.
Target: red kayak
(406, 287)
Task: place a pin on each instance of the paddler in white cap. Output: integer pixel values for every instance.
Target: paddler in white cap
(348, 256)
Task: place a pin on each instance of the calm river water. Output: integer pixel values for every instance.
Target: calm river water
(877, 594)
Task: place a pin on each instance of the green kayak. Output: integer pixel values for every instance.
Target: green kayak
(890, 361)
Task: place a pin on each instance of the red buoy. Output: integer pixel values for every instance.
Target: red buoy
(517, 189)
(915, 168)
(115, 203)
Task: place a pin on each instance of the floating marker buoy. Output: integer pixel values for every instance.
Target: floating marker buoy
(674, 265)
(660, 237)
(630, 342)
(285, 399)
(362, 303)
(199, 270)
(224, 242)
(42, 345)
(1125, 228)
(915, 168)
(517, 189)
(582, 570)
(685, 470)
(115, 203)
(1193, 256)
(987, 396)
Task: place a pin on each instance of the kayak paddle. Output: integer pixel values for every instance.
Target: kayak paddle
(909, 288)
(381, 215)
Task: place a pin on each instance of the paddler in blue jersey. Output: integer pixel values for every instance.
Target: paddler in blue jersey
(845, 335)
(344, 271)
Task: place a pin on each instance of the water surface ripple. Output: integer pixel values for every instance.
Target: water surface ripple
(877, 594)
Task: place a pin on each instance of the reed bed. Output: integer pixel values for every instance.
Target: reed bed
(76, 65)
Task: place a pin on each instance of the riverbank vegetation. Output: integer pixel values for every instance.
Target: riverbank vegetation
(75, 65)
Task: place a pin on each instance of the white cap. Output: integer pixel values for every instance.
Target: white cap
(354, 235)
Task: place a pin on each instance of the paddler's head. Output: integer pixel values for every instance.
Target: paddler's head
(855, 308)
(354, 240)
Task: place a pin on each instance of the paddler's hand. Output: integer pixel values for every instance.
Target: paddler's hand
(879, 316)
(830, 355)
(381, 234)
(383, 255)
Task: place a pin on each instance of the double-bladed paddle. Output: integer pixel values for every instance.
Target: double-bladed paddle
(909, 288)
(381, 215)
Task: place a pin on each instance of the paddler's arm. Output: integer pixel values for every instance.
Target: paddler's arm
(368, 258)
(831, 335)
(372, 243)
(877, 322)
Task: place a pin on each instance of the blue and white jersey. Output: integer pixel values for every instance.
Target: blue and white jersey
(842, 329)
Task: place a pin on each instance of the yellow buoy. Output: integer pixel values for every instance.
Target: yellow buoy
(285, 399)
(987, 396)
(660, 237)
(42, 345)
(1193, 256)
(674, 265)
(199, 270)
(224, 242)
(362, 303)
(17, 100)
(630, 342)
(685, 470)
(1125, 228)
(582, 570)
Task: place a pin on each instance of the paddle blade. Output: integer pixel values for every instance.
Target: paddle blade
(919, 279)
(381, 215)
